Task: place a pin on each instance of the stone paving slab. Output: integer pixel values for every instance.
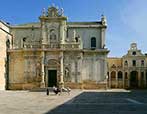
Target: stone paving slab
(105, 102)
(78, 102)
(24, 102)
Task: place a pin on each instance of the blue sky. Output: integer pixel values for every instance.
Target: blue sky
(127, 19)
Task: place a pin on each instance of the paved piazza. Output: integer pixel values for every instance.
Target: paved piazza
(78, 102)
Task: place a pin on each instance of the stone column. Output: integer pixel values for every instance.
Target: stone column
(109, 80)
(116, 79)
(61, 83)
(105, 71)
(21, 43)
(139, 78)
(144, 79)
(42, 68)
(129, 79)
(123, 79)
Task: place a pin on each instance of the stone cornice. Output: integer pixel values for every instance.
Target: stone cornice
(52, 18)
(86, 26)
(60, 50)
(4, 23)
(24, 27)
(5, 31)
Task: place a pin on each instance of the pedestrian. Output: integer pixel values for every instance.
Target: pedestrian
(56, 90)
(47, 91)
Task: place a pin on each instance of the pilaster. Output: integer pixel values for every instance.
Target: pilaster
(102, 37)
(61, 83)
(42, 68)
(144, 79)
(139, 78)
(44, 39)
(109, 80)
(123, 79)
(62, 32)
(116, 80)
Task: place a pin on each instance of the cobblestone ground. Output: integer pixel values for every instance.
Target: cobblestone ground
(78, 102)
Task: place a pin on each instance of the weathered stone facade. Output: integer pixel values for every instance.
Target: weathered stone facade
(4, 42)
(130, 71)
(56, 52)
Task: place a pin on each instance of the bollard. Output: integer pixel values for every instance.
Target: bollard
(47, 91)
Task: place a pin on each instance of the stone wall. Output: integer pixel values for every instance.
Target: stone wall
(4, 35)
(24, 70)
(86, 34)
(31, 35)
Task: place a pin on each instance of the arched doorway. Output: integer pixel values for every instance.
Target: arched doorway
(146, 78)
(113, 79)
(120, 79)
(126, 80)
(52, 73)
(134, 79)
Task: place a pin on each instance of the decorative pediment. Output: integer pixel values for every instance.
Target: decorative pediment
(53, 12)
(53, 62)
(113, 66)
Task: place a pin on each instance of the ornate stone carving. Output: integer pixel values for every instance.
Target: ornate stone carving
(103, 19)
(62, 12)
(53, 12)
(43, 12)
(67, 77)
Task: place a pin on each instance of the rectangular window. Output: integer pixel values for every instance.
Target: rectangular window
(134, 63)
(142, 63)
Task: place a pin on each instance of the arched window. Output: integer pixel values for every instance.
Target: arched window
(146, 78)
(142, 62)
(93, 43)
(126, 63)
(113, 75)
(134, 53)
(120, 76)
(126, 75)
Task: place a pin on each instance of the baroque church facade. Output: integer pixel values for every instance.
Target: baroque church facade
(53, 52)
(129, 71)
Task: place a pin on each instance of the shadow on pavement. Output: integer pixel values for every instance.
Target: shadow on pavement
(133, 102)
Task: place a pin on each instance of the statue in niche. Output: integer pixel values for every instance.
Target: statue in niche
(8, 43)
(77, 39)
(44, 12)
(62, 11)
(67, 74)
(52, 35)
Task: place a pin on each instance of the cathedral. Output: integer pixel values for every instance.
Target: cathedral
(53, 52)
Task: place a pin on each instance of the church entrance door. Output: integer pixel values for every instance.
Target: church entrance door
(52, 78)
(134, 79)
